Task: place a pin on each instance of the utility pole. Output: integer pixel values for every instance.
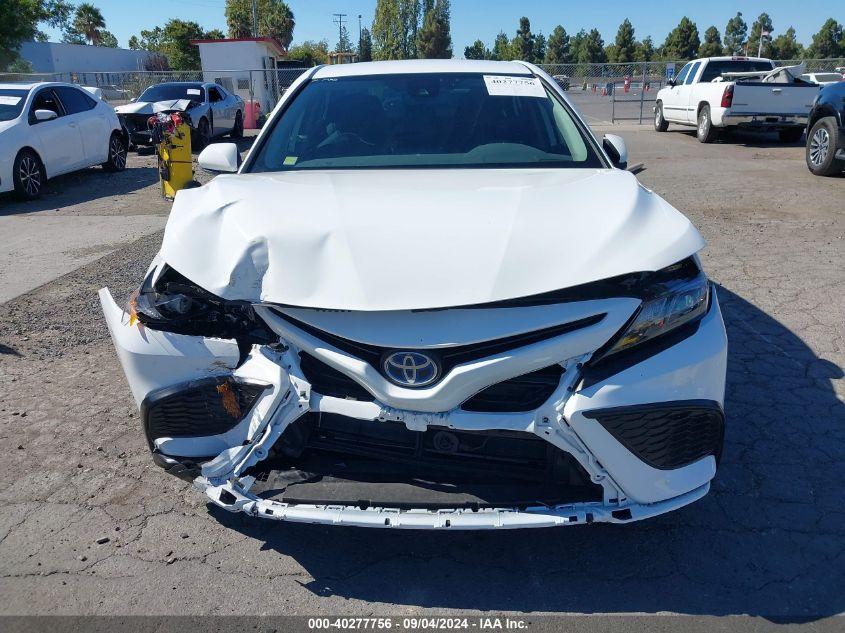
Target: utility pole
(339, 17)
(359, 37)
(255, 18)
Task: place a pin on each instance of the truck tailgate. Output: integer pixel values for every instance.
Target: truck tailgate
(772, 98)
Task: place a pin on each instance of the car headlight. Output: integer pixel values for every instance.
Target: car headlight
(680, 296)
(176, 304)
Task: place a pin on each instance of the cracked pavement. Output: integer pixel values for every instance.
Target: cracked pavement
(769, 540)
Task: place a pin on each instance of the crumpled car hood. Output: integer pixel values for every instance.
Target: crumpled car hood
(414, 239)
(141, 107)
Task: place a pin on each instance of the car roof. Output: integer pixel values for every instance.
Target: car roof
(410, 66)
(736, 58)
(29, 85)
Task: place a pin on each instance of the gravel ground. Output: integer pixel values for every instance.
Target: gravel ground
(90, 526)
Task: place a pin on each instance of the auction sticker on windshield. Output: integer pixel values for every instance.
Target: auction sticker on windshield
(6, 100)
(503, 86)
(193, 91)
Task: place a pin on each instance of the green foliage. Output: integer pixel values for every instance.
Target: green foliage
(591, 47)
(311, 53)
(625, 44)
(365, 46)
(107, 39)
(735, 34)
(387, 31)
(785, 46)
(214, 34)
(712, 44)
(88, 20)
(683, 41)
(828, 42)
(762, 23)
(644, 51)
(434, 40)
(557, 47)
(540, 45)
(502, 50)
(343, 43)
(409, 20)
(134, 43)
(477, 51)
(523, 43)
(275, 19)
(72, 36)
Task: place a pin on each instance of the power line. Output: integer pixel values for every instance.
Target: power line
(339, 17)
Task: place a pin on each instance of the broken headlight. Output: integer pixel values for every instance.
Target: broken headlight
(175, 304)
(680, 296)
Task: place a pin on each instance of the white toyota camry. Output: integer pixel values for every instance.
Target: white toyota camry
(48, 129)
(428, 298)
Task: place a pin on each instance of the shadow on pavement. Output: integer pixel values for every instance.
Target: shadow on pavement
(769, 540)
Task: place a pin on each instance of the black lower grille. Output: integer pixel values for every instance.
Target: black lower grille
(666, 435)
(523, 393)
(328, 381)
(208, 407)
(327, 458)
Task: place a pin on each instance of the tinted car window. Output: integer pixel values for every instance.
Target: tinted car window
(12, 101)
(683, 74)
(45, 100)
(214, 95)
(715, 69)
(171, 92)
(425, 120)
(74, 100)
(691, 74)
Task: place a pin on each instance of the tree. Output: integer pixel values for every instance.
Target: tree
(540, 45)
(365, 46)
(107, 39)
(576, 44)
(214, 34)
(434, 39)
(19, 20)
(624, 46)
(387, 31)
(828, 42)
(523, 43)
(134, 43)
(176, 45)
(502, 50)
(592, 48)
(275, 19)
(557, 47)
(72, 36)
(409, 20)
(761, 24)
(712, 44)
(89, 21)
(735, 33)
(682, 42)
(785, 46)
(343, 43)
(310, 53)
(644, 51)
(477, 51)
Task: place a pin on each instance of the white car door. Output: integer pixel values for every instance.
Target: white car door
(81, 109)
(686, 93)
(676, 99)
(217, 103)
(59, 140)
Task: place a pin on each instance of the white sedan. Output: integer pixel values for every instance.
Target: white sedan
(823, 79)
(48, 129)
(429, 298)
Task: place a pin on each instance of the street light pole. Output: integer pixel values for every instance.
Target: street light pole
(359, 37)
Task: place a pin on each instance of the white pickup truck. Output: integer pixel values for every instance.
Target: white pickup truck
(715, 93)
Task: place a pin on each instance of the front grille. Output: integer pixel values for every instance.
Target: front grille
(328, 381)
(135, 122)
(523, 393)
(447, 357)
(666, 435)
(210, 407)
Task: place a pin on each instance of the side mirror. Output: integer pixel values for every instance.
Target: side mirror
(220, 157)
(45, 115)
(617, 151)
(671, 83)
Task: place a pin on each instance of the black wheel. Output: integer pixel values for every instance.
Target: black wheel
(202, 135)
(28, 175)
(117, 153)
(660, 124)
(705, 131)
(791, 135)
(822, 141)
(238, 130)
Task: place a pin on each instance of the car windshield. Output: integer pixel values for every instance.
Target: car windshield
(171, 92)
(717, 68)
(425, 120)
(11, 103)
(827, 77)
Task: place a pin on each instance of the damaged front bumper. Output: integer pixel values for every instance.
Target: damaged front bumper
(266, 392)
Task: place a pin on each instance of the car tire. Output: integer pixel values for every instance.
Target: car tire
(660, 124)
(28, 175)
(791, 135)
(822, 141)
(705, 131)
(117, 153)
(202, 135)
(238, 130)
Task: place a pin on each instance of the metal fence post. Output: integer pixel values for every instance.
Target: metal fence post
(642, 93)
(613, 102)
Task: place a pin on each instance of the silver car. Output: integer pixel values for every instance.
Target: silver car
(212, 111)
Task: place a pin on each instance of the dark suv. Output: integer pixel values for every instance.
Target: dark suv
(826, 131)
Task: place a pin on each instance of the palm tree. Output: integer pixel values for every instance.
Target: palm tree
(88, 21)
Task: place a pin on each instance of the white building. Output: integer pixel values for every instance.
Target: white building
(229, 62)
(55, 57)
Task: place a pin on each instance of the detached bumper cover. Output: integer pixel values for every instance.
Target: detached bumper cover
(157, 363)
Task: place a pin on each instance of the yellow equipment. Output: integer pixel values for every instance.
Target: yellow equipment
(172, 135)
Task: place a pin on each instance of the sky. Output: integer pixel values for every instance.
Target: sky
(474, 19)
